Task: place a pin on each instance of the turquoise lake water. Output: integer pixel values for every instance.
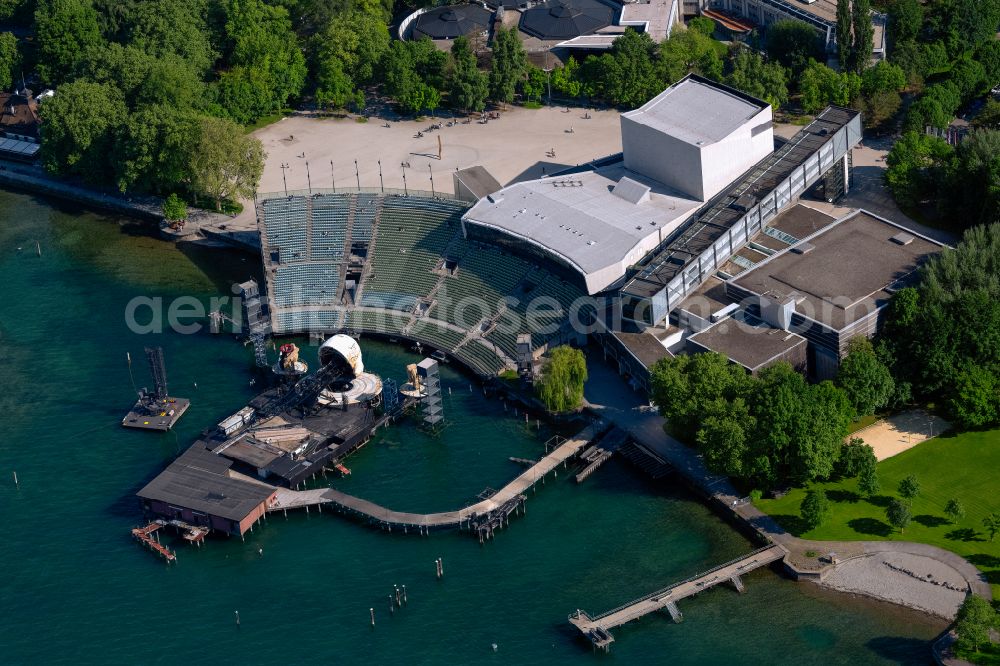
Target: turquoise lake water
(77, 590)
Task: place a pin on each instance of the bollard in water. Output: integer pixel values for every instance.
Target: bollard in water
(15, 480)
(404, 594)
(371, 611)
(237, 618)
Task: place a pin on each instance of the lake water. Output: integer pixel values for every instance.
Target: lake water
(76, 589)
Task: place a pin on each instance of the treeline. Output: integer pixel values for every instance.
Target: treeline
(942, 337)
(775, 427)
(950, 55)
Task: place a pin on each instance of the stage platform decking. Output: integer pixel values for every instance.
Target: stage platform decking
(160, 415)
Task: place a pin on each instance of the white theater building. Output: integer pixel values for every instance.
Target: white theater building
(679, 150)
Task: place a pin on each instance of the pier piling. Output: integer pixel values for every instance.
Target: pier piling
(371, 611)
(16, 483)
(404, 594)
(237, 618)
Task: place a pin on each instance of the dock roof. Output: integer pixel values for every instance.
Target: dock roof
(199, 480)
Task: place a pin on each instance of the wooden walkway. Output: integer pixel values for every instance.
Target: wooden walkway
(506, 500)
(596, 628)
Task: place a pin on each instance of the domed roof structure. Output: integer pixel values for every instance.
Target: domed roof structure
(566, 19)
(452, 21)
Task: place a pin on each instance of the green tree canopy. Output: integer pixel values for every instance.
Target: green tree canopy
(755, 76)
(226, 163)
(357, 41)
(868, 482)
(468, 86)
(79, 130)
(975, 619)
(174, 208)
(510, 65)
(954, 509)
(66, 29)
(909, 487)
(906, 17)
(865, 379)
(820, 86)
(562, 379)
(815, 508)
(992, 524)
(793, 43)
(898, 514)
(152, 150)
(863, 31)
(10, 60)
(844, 33)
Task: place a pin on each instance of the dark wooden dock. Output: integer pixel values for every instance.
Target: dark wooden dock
(483, 517)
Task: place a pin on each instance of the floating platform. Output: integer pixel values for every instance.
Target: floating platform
(159, 415)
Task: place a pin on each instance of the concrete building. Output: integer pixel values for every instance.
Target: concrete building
(834, 284)
(679, 149)
(751, 343)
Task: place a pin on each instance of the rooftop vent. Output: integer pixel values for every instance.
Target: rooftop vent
(902, 238)
(803, 248)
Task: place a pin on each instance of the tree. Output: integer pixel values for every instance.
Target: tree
(906, 17)
(334, 88)
(976, 169)
(685, 52)
(815, 508)
(684, 388)
(855, 456)
(915, 166)
(66, 29)
(565, 79)
(793, 43)
(867, 382)
(989, 117)
(152, 149)
(510, 65)
(754, 76)
(898, 514)
(820, 86)
(702, 25)
(174, 208)
(992, 524)
(909, 487)
(10, 59)
(79, 130)
(179, 28)
(724, 435)
(862, 46)
(844, 33)
(563, 376)
(629, 73)
(868, 483)
(358, 41)
(266, 64)
(974, 400)
(226, 163)
(954, 510)
(469, 87)
(976, 618)
(533, 85)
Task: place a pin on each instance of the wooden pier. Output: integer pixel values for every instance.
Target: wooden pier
(600, 453)
(147, 537)
(483, 517)
(597, 628)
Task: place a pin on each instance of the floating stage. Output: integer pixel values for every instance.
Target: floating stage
(156, 414)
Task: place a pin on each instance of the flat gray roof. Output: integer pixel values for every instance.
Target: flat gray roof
(643, 346)
(747, 341)
(849, 262)
(199, 480)
(801, 221)
(696, 111)
(579, 218)
(479, 181)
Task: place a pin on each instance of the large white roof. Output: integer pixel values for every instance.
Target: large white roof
(696, 112)
(581, 219)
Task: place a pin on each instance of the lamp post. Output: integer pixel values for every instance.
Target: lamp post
(380, 183)
(357, 174)
(333, 179)
(403, 167)
(284, 165)
(432, 179)
(309, 182)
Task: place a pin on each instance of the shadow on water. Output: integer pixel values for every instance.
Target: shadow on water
(901, 650)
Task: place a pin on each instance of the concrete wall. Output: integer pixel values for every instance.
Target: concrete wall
(698, 171)
(662, 157)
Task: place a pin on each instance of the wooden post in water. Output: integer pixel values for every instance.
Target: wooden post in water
(15, 480)
(237, 618)
(404, 594)
(371, 611)
(392, 609)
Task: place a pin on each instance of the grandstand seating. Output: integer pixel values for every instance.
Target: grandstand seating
(285, 222)
(298, 321)
(411, 236)
(311, 283)
(329, 227)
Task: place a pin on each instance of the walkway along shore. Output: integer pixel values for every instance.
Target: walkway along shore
(645, 426)
(499, 505)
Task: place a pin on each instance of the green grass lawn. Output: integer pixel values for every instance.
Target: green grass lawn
(965, 466)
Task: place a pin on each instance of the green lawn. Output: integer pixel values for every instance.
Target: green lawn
(964, 466)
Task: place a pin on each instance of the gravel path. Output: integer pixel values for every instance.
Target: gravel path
(910, 580)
